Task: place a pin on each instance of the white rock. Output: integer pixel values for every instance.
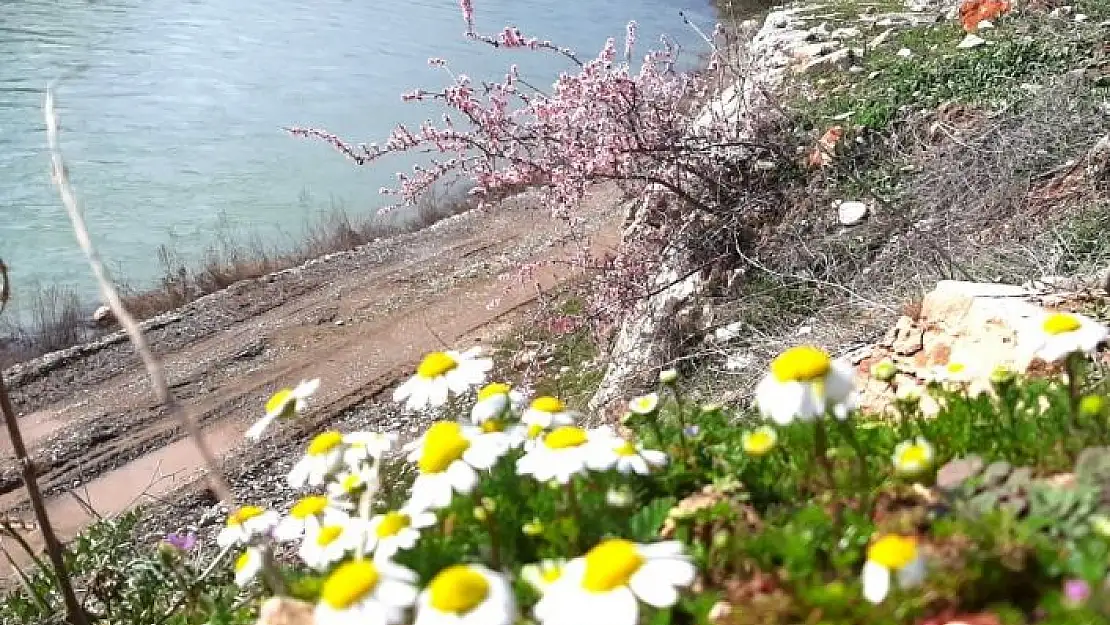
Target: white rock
(880, 39)
(985, 25)
(851, 213)
(971, 41)
(1081, 17)
(845, 33)
(855, 69)
(905, 53)
(103, 315)
(804, 330)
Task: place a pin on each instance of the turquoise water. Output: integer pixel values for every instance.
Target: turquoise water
(172, 109)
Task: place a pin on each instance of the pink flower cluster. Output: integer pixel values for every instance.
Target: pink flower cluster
(603, 120)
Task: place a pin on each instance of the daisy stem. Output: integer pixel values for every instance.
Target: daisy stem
(821, 447)
(576, 512)
(861, 460)
(657, 430)
(1074, 367)
(270, 571)
(365, 503)
(680, 408)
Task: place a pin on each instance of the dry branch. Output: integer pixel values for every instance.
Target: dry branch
(111, 297)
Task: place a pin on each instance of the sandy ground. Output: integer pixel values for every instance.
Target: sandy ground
(358, 320)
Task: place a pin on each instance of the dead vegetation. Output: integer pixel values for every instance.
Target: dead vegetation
(48, 318)
(959, 192)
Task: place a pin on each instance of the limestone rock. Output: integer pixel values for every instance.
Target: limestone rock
(851, 213)
(103, 316)
(971, 41)
(978, 324)
(284, 611)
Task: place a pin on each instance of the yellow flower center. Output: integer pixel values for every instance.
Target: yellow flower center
(458, 589)
(610, 565)
(349, 584)
(548, 404)
(551, 574)
(242, 515)
(804, 363)
(493, 425)
(627, 449)
(392, 523)
(492, 389)
(328, 534)
(914, 455)
(243, 561)
(534, 430)
(436, 364)
(324, 442)
(351, 482)
(956, 367)
(759, 442)
(311, 505)
(443, 444)
(281, 403)
(1060, 323)
(892, 551)
(565, 437)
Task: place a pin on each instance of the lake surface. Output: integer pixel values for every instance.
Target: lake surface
(172, 110)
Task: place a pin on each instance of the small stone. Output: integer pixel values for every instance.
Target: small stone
(996, 473)
(905, 53)
(985, 25)
(873, 75)
(1080, 18)
(103, 316)
(845, 33)
(971, 41)
(851, 213)
(953, 474)
(881, 38)
(855, 69)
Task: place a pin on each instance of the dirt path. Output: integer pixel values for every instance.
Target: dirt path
(358, 321)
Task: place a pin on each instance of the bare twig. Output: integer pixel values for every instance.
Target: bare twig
(111, 297)
(74, 613)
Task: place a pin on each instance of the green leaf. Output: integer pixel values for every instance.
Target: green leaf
(647, 522)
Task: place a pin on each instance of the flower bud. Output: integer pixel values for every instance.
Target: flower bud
(532, 528)
(1002, 375)
(884, 370)
(668, 376)
(1092, 406)
(620, 498)
(480, 513)
(489, 505)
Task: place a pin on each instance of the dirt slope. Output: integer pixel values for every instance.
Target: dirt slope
(357, 320)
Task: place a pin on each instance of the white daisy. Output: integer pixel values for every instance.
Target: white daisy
(565, 452)
(629, 457)
(442, 373)
(547, 412)
(645, 404)
(542, 575)
(466, 594)
(759, 441)
(366, 592)
(326, 544)
(891, 554)
(323, 455)
(804, 383)
(246, 523)
(365, 447)
(247, 566)
(495, 401)
(397, 530)
(912, 458)
(446, 458)
(1058, 334)
(350, 485)
(309, 513)
(602, 587)
(284, 404)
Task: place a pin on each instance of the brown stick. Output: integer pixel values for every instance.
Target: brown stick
(111, 297)
(74, 613)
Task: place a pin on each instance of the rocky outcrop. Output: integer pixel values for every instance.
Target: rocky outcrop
(964, 330)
